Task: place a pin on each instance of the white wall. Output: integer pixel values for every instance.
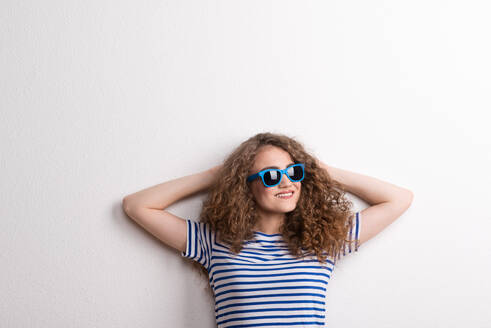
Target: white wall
(100, 99)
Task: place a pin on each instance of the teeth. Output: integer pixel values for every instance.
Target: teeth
(284, 195)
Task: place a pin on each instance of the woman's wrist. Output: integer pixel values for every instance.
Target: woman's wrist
(215, 169)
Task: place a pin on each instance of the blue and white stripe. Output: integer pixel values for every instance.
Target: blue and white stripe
(263, 285)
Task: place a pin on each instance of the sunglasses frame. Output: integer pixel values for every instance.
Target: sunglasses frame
(261, 174)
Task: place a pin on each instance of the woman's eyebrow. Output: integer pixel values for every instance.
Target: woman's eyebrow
(274, 167)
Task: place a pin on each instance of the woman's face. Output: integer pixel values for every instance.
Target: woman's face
(266, 197)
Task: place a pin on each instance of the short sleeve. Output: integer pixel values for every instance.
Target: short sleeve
(199, 241)
(354, 235)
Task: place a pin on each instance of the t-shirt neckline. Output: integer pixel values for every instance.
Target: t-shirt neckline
(266, 234)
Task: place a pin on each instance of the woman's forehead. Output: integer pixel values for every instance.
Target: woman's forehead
(279, 159)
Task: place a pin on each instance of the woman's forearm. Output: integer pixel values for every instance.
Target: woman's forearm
(163, 195)
(370, 189)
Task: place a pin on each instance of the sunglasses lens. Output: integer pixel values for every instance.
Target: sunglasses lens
(271, 177)
(295, 172)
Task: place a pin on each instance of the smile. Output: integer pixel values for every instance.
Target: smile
(285, 195)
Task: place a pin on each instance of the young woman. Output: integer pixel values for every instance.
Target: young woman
(273, 225)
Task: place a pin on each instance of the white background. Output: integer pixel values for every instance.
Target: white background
(100, 99)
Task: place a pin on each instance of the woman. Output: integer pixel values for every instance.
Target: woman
(272, 227)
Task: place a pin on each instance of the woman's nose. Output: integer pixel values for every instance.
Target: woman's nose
(285, 181)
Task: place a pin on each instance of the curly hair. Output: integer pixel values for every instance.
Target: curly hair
(319, 223)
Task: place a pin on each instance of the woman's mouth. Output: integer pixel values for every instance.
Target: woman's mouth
(284, 195)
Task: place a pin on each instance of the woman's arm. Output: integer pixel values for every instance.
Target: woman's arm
(370, 189)
(165, 194)
(146, 207)
(388, 200)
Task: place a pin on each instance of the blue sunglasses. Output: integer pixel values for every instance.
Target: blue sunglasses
(272, 177)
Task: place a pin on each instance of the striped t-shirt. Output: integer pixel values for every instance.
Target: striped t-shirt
(263, 285)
